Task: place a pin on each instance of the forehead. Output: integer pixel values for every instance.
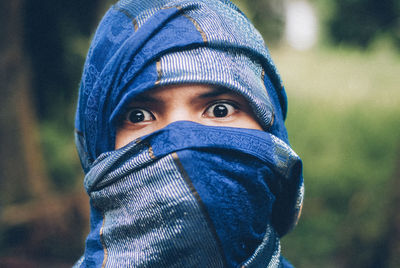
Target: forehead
(182, 91)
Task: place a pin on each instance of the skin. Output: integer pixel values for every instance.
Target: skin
(202, 104)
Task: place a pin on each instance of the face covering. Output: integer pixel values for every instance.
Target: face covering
(187, 195)
(140, 45)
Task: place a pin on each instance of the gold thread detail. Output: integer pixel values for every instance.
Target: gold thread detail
(135, 24)
(103, 243)
(134, 21)
(199, 201)
(197, 25)
(272, 119)
(159, 72)
(186, 177)
(151, 153)
(263, 84)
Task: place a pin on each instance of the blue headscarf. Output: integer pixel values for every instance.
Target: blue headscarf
(140, 45)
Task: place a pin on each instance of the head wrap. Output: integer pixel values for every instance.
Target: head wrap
(144, 44)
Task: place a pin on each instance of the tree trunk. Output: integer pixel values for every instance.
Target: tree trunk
(22, 174)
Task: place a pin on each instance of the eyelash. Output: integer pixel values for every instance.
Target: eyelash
(147, 116)
(221, 102)
(144, 116)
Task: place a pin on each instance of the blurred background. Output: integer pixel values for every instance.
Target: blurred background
(340, 63)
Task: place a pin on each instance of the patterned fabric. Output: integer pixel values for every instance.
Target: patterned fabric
(187, 195)
(154, 206)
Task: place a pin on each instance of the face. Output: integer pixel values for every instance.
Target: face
(202, 104)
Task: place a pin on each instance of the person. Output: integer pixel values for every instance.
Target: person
(180, 131)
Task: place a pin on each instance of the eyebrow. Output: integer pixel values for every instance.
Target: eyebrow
(215, 92)
(145, 98)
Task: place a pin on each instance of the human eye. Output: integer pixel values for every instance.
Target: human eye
(220, 109)
(138, 115)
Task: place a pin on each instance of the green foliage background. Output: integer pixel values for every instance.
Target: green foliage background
(343, 121)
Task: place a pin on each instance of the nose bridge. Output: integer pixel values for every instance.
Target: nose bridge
(181, 112)
(181, 103)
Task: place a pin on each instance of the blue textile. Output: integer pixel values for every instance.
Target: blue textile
(161, 209)
(191, 42)
(187, 195)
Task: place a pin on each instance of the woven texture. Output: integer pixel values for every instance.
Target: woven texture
(187, 195)
(194, 41)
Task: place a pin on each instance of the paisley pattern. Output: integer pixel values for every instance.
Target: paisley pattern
(135, 35)
(154, 205)
(143, 44)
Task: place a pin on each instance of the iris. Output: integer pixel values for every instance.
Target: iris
(220, 110)
(136, 116)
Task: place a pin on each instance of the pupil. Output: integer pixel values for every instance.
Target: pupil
(220, 111)
(136, 116)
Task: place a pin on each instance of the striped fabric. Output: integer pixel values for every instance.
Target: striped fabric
(187, 195)
(151, 218)
(135, 35)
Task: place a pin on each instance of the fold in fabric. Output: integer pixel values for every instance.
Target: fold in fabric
(187, 195)
(160, 208)
(136, 48)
